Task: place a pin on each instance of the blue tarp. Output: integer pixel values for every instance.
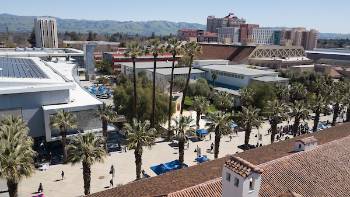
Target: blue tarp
(233, 125)
(166, 167)
(201, 132)
(202, 159)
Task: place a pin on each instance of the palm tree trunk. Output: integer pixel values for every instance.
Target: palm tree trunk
(135, 91)
(335, 114)
(247, 136)
(296, 126)
(154, 91)
(198, 117)
(186, 86)
(273, 131)
(138, 160)
(217, 143)
(181, 150)
(12, 188)
(64, 142)
(171, 97)
(348, 114)
(86, 177)
(104, 133)
(316, 121)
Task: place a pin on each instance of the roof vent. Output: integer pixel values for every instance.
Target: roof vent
(305, 144)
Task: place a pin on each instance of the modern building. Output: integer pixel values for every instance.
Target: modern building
(266, 36)
(46, 32)
(127, 67)
(235, 76)
(245, 33)
(35, 90)
(228, 35)
(213, 23)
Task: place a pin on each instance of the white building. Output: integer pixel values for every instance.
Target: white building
(127, 67)
(228, 35)
(46, 32)
(35, 90)
(264, 35)
(235, 76)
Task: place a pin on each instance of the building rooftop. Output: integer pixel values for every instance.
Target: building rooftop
(40, 52)
(149, 65)
(341, 52)
(177, 71)
(238, 69)
(183, 179)
(241, 166)
(270, 79)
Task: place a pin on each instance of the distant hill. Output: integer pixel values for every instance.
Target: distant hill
(334, 36)
(25, 24)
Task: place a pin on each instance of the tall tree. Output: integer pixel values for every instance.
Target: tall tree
(247, 97)
(107, 115)
(173, 47)
(223, 101)
(87, 149)
(16, 153)
(318, 104)
(297, 92)
(220, 126)
(64, 121)
(134, 50)
(276, 112)
(139, 134)
(248, 119)
(300, 112)
(181, 129)
(191, 49)
(337, 99)
(156, 48)
(200, 105)
(282, 93)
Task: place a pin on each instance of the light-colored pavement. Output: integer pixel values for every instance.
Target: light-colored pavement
(124, 165)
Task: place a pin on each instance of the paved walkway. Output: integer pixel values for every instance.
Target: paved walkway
(124, 165)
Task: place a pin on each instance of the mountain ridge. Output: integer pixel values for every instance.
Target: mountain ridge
(159, 27)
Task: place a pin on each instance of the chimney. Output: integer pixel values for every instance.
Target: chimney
(305, 144)
(240, 178)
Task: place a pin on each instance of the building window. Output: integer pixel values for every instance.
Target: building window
(228, 177)
(236, 182)
(299, 146)
(251, 184)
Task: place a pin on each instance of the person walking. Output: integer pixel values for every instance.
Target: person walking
(209, 136)
(230, 138)
(111, 183)
(40, 189)
(62, 175)
(112, 171)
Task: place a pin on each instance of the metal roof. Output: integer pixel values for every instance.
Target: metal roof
(239, 69)
(20, 68)
(177, 71)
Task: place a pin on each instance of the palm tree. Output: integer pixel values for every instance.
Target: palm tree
(282, 93)
(191, 49)
(107, 115)
(156, 49)
(299, 112)
(337, 99)
(182, 128)
(16, 153)
(223, 101)
(297, 92)
(173, 47)
(139, 134)
(318, 104)
(200, 105)
(247, 96)
(64, 121)
(220, 126)
(276, 112)
(134, 50)
(214, 76)
(87, 149)
(247, 119)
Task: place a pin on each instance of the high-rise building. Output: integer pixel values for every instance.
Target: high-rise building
(46, 32)
(228, 35)
(312, 40)
(266, 36)
(230, 20)
(245, 32)
(300, 37)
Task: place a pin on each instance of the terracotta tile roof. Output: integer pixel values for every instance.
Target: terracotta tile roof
(308, 140)
(198, 174)
(289, 194)
(227, 52)
(241, 166)
(212, 188)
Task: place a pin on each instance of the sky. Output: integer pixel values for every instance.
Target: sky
(324, 15)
